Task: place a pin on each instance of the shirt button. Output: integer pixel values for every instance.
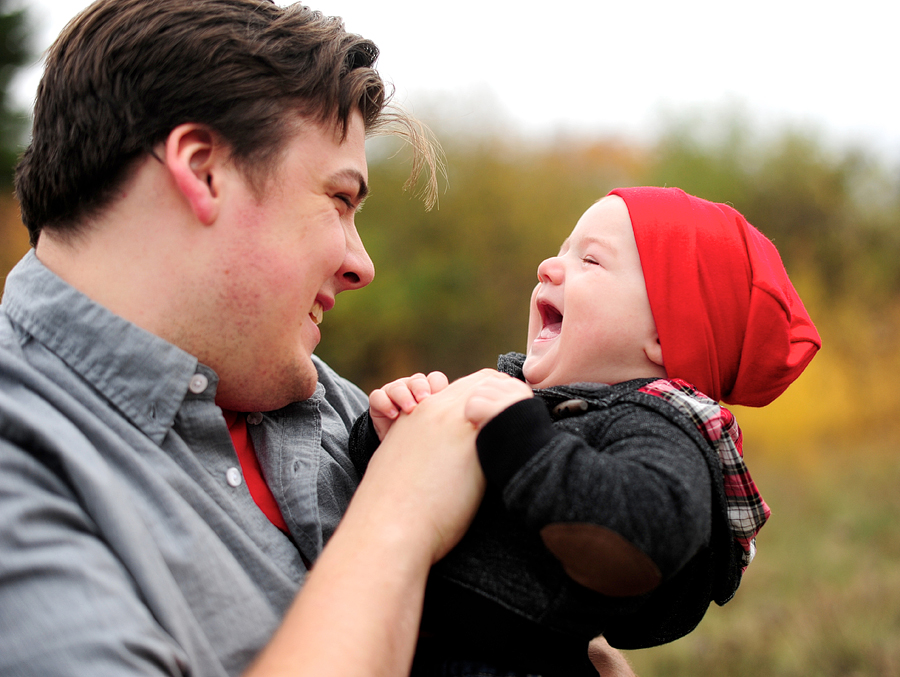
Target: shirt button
(233, 477)
(254, 418)
(198, 384)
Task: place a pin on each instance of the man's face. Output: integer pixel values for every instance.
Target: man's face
(590, 318)
(282, 259)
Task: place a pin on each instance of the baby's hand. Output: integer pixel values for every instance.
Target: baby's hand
(402, 396)
(493, 396)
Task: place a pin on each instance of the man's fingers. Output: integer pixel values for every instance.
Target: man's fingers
(492, 396)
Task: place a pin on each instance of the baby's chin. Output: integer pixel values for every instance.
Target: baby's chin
(528, 371)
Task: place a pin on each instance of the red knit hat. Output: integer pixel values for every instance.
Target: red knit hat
(729, 320)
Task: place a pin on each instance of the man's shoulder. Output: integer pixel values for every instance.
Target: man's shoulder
(29, 421)
(20, 383)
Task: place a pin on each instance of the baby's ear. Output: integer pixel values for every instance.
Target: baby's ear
(653, 351)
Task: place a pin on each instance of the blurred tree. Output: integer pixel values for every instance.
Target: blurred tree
(833, 213)
(453, 285)
(15, 51)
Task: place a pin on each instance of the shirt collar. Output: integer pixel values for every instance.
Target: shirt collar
(143, 376)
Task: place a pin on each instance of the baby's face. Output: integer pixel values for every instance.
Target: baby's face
(590, 318)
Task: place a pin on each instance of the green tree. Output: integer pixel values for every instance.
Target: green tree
(15, 51)
(452, 286)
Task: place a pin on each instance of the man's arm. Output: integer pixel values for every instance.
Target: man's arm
(358, 613)
(67, 602)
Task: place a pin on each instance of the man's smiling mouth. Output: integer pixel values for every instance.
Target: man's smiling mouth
(317, 312)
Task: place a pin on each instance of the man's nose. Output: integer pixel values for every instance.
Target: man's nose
(357, 270)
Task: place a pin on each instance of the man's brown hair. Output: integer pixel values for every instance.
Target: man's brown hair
(124, 73)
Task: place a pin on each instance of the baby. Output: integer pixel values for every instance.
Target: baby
(618, 502)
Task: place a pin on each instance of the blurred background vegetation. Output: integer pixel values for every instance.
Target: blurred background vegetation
(15, 52)
(452, 289)
(452, 285)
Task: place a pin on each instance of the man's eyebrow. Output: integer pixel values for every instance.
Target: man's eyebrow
(354, 175)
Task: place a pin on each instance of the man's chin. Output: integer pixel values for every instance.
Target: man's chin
(307, 391)
(275, 397)
(303, 384)
(298, 391)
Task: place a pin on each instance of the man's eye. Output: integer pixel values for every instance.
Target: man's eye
(346, 200)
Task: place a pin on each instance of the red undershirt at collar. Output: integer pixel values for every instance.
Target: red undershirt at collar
(259, 490)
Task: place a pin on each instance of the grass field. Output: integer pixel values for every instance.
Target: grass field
(823, 595)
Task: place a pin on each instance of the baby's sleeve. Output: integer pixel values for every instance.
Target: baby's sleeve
(623, 504)
(363, 442)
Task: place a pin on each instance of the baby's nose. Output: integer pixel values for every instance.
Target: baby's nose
(550, 270)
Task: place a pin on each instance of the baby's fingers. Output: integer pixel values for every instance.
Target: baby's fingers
(437, 381)
(420, 387)
(381, 405)
(405, 393)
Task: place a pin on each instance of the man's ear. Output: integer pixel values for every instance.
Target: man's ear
(193, 155)
(653, 350)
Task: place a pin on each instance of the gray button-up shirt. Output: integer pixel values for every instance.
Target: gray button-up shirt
(128, 542)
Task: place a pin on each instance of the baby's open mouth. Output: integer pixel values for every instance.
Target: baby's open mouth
(551, 319)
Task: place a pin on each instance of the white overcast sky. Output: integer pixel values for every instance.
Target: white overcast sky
(610, 67)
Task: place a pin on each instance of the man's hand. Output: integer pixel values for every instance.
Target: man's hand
(401, 396)
(428, 461)
(492, 396)
(359, 610)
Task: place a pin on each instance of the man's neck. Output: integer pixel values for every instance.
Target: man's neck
(134, 258)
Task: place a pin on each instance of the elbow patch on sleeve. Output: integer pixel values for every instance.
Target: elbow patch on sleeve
(601, 560)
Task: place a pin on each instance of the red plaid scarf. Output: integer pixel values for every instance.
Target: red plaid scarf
(747, 511)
